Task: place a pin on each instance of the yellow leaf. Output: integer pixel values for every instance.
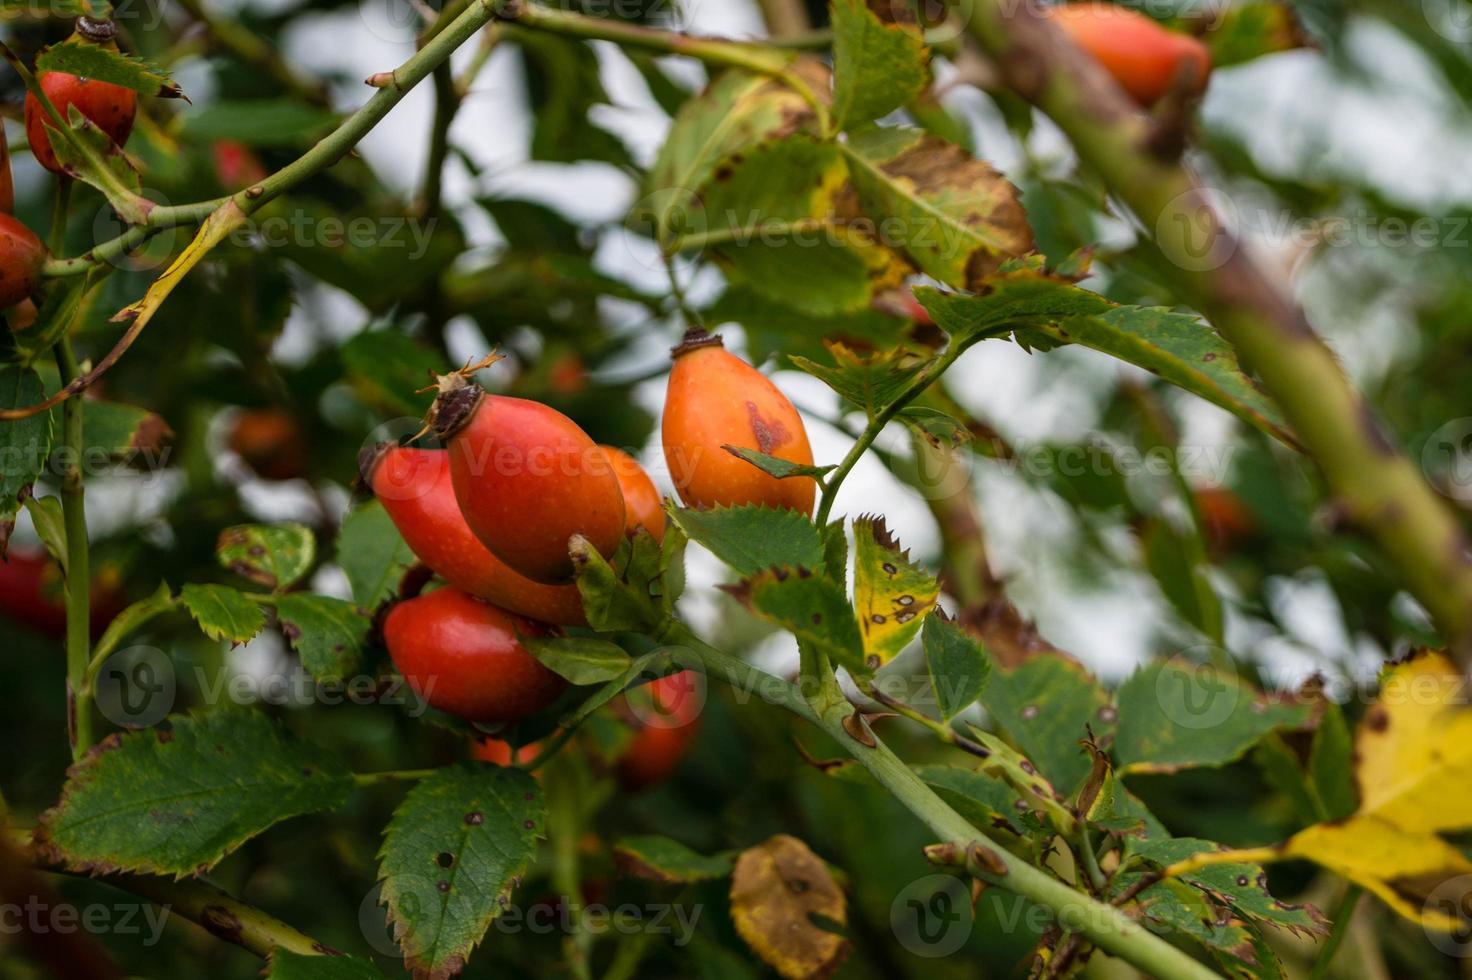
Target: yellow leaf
(216, 228)
(892, 595)
(1415, 748)
(1419, 875)
(777, 889)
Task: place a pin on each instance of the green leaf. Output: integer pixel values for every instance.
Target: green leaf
(24, 443)
(877, 67)
(176, 800)
(782, 222)
(286, 965)
(1046, 705)
(1022, 775)
(119, 431)
(1013, 300)
(1178, 715)
(388, 367)
(259, 122)
(329, 634)
(1331, 765)
(955, 217)
(1246, 30)
(648, 667)
(131, 618)
(892, 594)
(935, 427)
(986, 801)
(101, 64)
(50, 524)
(669, 862)
(1241, 887)
(580, 659)
(372, 554)
(958, 666)
(450, 857)
(1176, 561)
(735, 113)
(871, 382)
(223, 613)
(273, 555)
(609, 602)
(835, 551)
(812, 607)
(90, 155)
(752, 538)
(1176, 906)
(563, 85)
(780, 468)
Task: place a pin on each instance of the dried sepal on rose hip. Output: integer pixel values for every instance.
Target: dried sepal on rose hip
(111, 108)
(414, 487)
(715, 399)
(527, 478)
(464, 657)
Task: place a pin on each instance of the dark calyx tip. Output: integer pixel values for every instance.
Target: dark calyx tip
(96, 31)
(694, 339)
(458, 399)
(368, 459)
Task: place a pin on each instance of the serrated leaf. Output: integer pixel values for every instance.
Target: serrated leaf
(987, 802)
(1032, 786)
(1331, 765)
(580, 659)
(751, 538)
(273, 555)
(102, 64)
(372, 554)
(877, 66)
(88, 154)
(1175, 905)
(608, 601)
(177, 800)
(953, 215)
(935, 426)
(736, 112)
(450, 857)
(1177, 715)
(871, 382)
(957, 664)
(1047, 705)
(780, 468)
(777, 889)
(892, 595)
(810, 606)
(782, 221)
(286, 965)
(24, 443)
(223, 613)
(668, 862)
(1014, 300)
(123, 431)
(327, 633)
(1243, 887)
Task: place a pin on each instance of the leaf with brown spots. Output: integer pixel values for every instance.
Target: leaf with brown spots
(328, 634)
(953, 215)
(878, 64)
(892, 594)
(783, 898)
(176, 800)
(811, 606)
(273, 555)
(453, 852)
(1009, 765)
(870, 381)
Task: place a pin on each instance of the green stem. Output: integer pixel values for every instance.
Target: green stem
(78, 574)
(563, 830)
(1373, 483)
(159, 219)
(1107, 927)
(1342, 917)
(222, 916)
(941, 730)
(761, 59)
(446, 105)
(923, 380)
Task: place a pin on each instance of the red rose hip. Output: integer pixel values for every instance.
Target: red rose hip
(527, 478)
(21, 258)
(111, 108)
(464, 657)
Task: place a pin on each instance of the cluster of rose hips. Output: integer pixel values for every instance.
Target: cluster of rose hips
(112, 109)
(494, 511)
